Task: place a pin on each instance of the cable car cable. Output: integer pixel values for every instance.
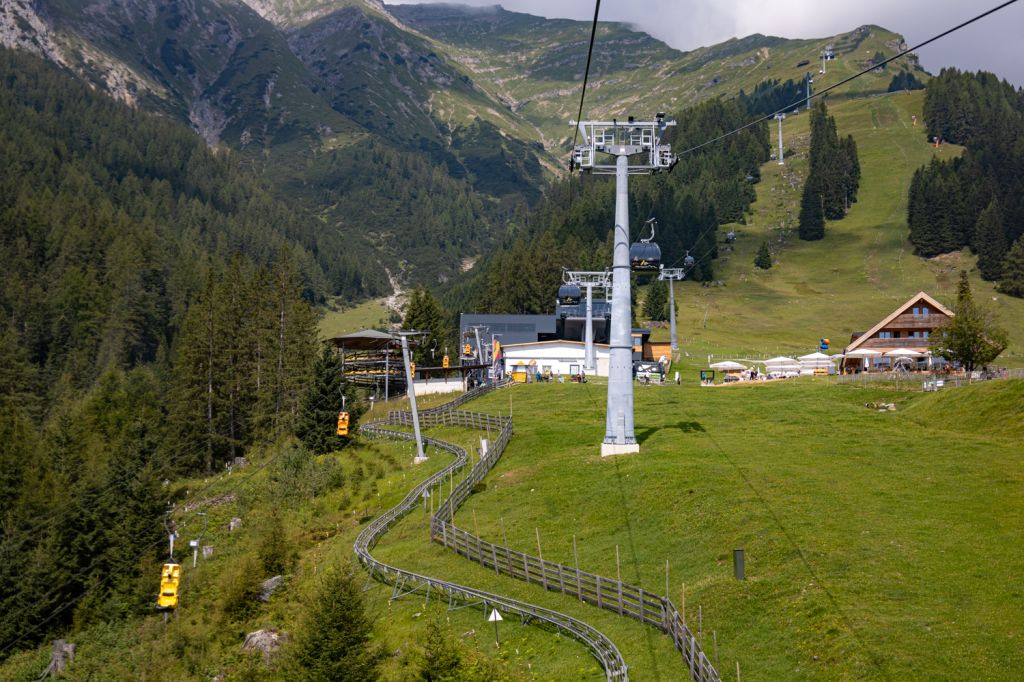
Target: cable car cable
(800, 101)
(586, 71)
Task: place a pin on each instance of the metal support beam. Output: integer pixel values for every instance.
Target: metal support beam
(589, 281)
(622, 140)
(779, 118)
(672, 275)
(420, 457)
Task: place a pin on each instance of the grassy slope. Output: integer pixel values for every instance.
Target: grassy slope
(876, 542)
(367, 315)
(858, 274)
(870, 540)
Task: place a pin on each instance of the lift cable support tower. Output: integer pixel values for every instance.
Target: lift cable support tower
(588, 281)
(780, 117)
(404, 335)
(637, 149)
(672, 275)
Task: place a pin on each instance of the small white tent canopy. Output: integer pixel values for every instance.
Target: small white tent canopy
(809, 363)
(864, 354)
(782, 365)
(728, 366)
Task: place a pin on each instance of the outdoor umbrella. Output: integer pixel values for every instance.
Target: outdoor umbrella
(903, 353)
(728, 366)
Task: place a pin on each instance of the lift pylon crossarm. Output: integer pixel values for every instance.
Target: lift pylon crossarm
(623, 138)
(675, 274)
(588, 278)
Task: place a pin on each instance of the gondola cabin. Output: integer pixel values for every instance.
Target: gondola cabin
(343, 423)
(569, 294)
(644, 257)
(170, 579)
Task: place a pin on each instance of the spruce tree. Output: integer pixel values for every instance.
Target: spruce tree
(763, 259)
(334, 644)
(441, 660)
(656, 301)
(990, 242)
(812, 215)
(424, 313)
(972, 337)
(1012, 283)
(318, 417)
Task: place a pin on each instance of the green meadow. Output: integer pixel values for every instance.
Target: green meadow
(879, 545)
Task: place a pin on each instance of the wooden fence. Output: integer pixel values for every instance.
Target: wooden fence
(407, 582)
(606, 593)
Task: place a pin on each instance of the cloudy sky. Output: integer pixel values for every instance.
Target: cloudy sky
(993, 44)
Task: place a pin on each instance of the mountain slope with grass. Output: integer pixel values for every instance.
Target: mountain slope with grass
(860, 272)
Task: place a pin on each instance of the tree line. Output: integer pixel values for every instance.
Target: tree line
(571, 227)
(976, 199)
(833, 178)
(156, 320)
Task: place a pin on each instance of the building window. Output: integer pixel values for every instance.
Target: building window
(916, 311)
(924, 311)
(885, 335)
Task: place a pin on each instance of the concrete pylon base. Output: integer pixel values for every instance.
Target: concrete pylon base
(609, 449)
(419, 460)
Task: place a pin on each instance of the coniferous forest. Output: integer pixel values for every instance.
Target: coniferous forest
(977, 199)
(155, 321)
(570, 226)
(834, 175)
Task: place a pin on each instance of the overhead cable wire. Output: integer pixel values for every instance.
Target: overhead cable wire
(800, 101)
(586, 71)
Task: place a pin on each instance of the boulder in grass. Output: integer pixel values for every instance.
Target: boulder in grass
(266, 641)
(269, 586)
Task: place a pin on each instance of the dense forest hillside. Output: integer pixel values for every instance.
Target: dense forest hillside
(977, 199)
(113, 224)
(319, 93)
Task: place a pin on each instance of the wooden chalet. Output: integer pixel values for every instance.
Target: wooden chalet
(909, 327)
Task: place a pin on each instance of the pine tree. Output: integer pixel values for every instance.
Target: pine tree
(972, 337)
(656, 301)
(442, 662)
(424, 313)
(763, 259)
(1012, 283)
(334, 644)
(318, 418)
(990, 242)
(812, 215)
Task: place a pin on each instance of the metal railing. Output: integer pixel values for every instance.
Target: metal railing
(406, 582)
(607, 593)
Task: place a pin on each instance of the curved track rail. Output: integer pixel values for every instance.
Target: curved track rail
(406, 582)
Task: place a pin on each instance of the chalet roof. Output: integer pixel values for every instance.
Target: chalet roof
(919, 296)
(366, 339)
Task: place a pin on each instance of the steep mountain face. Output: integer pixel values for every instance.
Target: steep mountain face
(534, 66)
(304, 88)
(215, 63)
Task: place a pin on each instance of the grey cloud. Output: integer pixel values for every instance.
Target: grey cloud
(992, 44)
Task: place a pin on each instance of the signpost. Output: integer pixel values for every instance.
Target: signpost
(495, 618)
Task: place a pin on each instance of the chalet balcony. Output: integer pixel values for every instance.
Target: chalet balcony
(916, 322)
(889, 344)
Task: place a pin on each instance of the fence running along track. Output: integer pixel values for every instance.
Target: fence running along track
(606, 593)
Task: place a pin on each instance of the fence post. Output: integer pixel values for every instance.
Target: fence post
(576, 555)
(618, 576)
(540, 555)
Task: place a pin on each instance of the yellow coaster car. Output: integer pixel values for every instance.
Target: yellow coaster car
(170, 578)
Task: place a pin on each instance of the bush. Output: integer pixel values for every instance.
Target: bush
(334, 642)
